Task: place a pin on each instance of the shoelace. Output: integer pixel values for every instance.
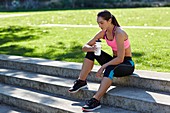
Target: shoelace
(76, 81)
(91, 101)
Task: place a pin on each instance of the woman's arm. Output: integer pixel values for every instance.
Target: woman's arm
(89, 46)
(120, 50)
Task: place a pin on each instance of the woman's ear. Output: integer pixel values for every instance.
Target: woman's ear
(110, 20)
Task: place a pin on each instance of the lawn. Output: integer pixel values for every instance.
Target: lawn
(150, 48)
(126, 17)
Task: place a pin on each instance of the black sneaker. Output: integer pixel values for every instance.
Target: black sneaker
(78, 84)
(91, 105)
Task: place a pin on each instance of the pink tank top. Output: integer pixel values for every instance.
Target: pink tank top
(113, 44)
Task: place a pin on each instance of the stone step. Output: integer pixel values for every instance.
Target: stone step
(124, 97)
(40, 102)
(8, 109)
(155, 81)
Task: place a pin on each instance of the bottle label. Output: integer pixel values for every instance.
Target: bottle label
(98, 50)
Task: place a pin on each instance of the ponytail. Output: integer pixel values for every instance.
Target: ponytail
(114, 21)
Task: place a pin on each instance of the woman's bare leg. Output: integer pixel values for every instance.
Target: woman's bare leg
(81, 83)
(86, 68)
(105, 84)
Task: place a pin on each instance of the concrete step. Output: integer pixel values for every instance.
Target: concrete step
(40, 102)
(8, 109)
(124, 97)
(155, 81)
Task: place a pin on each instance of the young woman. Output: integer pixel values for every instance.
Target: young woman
(118, 65)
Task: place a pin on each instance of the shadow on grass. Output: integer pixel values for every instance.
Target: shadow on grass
(12, 34)
(15, 50)
(75, 52)
(17, 34)
(137, 54)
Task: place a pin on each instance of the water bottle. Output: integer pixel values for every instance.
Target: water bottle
(97, 52)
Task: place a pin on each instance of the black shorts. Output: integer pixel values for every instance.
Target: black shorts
(123, 69)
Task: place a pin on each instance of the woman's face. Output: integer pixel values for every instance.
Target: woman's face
(103, 24)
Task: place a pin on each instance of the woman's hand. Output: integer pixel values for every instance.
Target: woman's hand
(100, 72)
(94, 48)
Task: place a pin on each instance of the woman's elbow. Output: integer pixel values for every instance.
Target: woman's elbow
(83, 49)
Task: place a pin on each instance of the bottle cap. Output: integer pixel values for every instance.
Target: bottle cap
(98, 40)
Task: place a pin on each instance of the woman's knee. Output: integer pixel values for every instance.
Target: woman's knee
(109, 72)
(90, 56)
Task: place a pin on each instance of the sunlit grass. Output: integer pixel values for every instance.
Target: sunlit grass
(126, 17)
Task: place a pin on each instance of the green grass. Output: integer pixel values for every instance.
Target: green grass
(150, 48)
(126, 17)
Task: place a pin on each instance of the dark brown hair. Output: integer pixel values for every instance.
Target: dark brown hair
(106, 15)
